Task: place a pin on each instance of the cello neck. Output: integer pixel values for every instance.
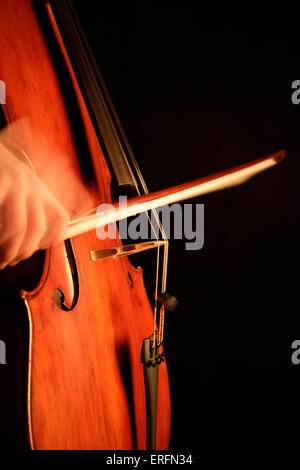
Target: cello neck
(99, 104)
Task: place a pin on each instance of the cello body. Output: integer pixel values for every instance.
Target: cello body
(85, 385)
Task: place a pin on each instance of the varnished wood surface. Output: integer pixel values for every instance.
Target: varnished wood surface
(85, 381)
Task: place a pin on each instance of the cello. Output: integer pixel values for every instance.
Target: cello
(89, 315)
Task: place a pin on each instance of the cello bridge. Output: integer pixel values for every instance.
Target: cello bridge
(125, 250)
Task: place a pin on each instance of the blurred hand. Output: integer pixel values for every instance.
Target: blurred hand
(31, 218)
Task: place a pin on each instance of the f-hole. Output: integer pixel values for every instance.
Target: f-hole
(58, 294)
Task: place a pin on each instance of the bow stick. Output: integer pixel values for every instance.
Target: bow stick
(215, 182)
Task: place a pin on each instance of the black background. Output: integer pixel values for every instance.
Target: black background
(197, 92)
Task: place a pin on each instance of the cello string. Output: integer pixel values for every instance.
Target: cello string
(146, 191)
(140, 178)
(165, 259)
(164, 284)
(155, 300)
